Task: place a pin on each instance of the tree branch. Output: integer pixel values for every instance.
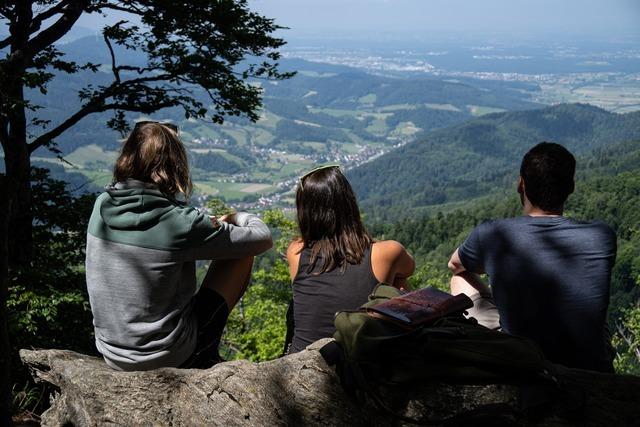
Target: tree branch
(6, 42)
(139, 70)
(147, 79)
(107, 5)
(89, 108)
(7, 13)
(244, 75)
(116, 72)
(58, 29)
(39, 18)
(97, 105)
(142, 108)
(628, 339)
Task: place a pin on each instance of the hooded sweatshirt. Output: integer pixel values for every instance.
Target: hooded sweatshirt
(141, 273)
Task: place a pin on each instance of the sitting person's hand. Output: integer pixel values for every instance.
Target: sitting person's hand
(229, 218)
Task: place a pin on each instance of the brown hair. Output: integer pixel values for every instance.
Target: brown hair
(329, 220)
(153, 153)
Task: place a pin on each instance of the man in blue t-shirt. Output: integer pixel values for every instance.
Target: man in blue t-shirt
(549, 274)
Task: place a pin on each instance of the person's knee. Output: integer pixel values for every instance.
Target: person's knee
(242, 267)
(246, 262)
(229, 278)
(460, 285)
(484, 310)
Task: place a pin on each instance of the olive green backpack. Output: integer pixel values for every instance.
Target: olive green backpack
(454, 349)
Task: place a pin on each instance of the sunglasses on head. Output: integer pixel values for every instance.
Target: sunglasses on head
(314, 170)
(168, 125)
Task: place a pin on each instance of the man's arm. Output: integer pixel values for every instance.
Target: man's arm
(455, 265)
(463, 281)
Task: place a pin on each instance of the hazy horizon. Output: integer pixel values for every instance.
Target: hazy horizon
(447, 18)
(442, 19)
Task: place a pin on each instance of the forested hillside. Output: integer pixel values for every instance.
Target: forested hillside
(480, 156)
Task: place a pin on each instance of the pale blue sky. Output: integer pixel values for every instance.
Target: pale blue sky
(595, 18)
(455, 16)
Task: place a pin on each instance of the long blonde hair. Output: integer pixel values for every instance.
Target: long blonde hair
(153, 153)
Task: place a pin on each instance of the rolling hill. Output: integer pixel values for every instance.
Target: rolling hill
(480, 156)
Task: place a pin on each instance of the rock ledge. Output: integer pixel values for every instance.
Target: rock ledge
(299, 389)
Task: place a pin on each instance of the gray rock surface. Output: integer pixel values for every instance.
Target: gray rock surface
(301, 389)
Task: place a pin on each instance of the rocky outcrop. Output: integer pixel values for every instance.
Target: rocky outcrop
(301, 389)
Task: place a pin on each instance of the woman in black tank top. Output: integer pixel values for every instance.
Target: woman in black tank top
(335, 264)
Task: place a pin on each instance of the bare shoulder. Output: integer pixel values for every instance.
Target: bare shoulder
(387, 249)
(294, 249)
(293, 256)
(391, 263)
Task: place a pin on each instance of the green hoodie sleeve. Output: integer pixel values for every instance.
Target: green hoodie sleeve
(144, 217)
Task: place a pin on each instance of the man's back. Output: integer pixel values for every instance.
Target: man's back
(550, 278)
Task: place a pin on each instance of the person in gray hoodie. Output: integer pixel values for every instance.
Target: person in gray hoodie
(142, 244)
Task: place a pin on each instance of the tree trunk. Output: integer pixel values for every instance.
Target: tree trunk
(16, 216)
(16, 220)
(301, 389)
(18, 170)
(5, 347)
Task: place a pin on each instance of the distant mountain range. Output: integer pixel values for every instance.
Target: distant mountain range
(480, 156)
(336, 113)
(327, 98)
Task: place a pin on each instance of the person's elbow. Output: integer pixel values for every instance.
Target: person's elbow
(264, 240)
(454, 264)
(257, 235)
(411, 264)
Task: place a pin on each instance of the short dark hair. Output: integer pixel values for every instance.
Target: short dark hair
(329, 220)
(548, 170)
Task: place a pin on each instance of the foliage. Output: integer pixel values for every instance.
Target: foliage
(257, 326)
(342, 87)
(427, 118)
(201, 44)
(430, 274)
(627, 342)
(48, 305)
(292, 130)
(26, 401)
(218, 208)
(287, 100)
(283, 228)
